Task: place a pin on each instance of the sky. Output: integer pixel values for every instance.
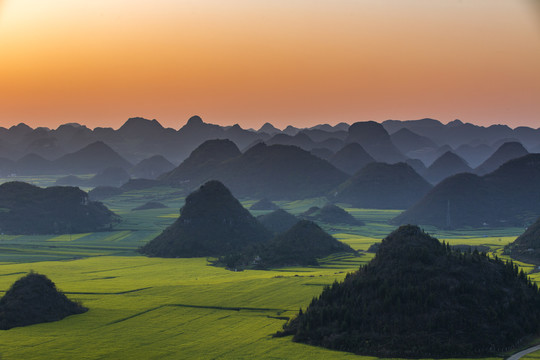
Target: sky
(298, 62)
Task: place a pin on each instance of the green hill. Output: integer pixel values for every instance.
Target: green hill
(34, 299)
(382, 186)
(212, 223)
(526, 247)
(275, 172)
(278, 221)
(331, 214)
(302, 244)
(506, 197)
(28, 209)
(264, 204)
(418, 298)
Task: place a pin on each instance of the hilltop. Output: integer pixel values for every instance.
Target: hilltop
(351, 158)
(526, 247)
(211, 223)
(505, 197)
(331, 214)
(446, 165)
(382, 186)
(34, 299)
(302, 244)
(418, 298)
(278, 221)
(91, 159)
(506, 152)
(28, 209)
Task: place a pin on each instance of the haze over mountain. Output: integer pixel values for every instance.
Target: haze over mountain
(447, 165)
(331, 214)
(506, 152)
(506, 197)
(152, 167)
(406, 140)
(91, 159)
(278, 221)
(28, 209)
(382, 186)
(474, 154)
(276, 172)
(351, 158)
(375, 140)
(138, 138)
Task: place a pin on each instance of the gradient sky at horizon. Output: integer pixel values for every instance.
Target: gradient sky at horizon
(293, 62)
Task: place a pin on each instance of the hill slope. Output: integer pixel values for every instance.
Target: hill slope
(28, 209)
(526, 247)
(34, 299)
(382, 186)
(302, 244)
(351, 158)
(508, 196)
(212, 223)
(420, 299)
(447, 165)
(506, 152)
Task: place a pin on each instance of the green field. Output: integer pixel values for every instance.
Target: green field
(152, 308)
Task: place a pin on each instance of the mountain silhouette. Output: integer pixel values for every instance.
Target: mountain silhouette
(351, 158)
(203, 162)
(331, 214)
(278, 221)
(382, 186)
(302, 245)
(211, 223)
(276, 172)
(375, 140)
(152, 167)
(506, 152)
(28, 209)
(264, 204)
(406, 140)
(33, 164)
(93, 158)
(506, 197)
(447, 165)
(474, 154)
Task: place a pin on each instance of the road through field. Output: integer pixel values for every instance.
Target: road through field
(520, 354)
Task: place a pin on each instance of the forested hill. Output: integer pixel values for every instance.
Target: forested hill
(28, 209)
(418, 298)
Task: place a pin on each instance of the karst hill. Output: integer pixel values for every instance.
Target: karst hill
(34, 299)
(212, 223)
(419, 298)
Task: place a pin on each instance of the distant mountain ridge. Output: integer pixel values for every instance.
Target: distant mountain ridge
(508, 196)
(140, 138)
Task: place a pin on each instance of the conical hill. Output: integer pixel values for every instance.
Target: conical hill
(527, 246)
(302, 244)
(212, 223)
(418, 298)
(35, 299)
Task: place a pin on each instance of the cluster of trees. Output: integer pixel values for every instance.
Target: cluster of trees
(28, 209)
(421, 298)
(34, 299)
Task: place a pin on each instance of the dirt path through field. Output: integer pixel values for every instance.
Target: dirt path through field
(520, 354)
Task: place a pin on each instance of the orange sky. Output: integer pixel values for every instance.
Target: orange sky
(293, 62)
